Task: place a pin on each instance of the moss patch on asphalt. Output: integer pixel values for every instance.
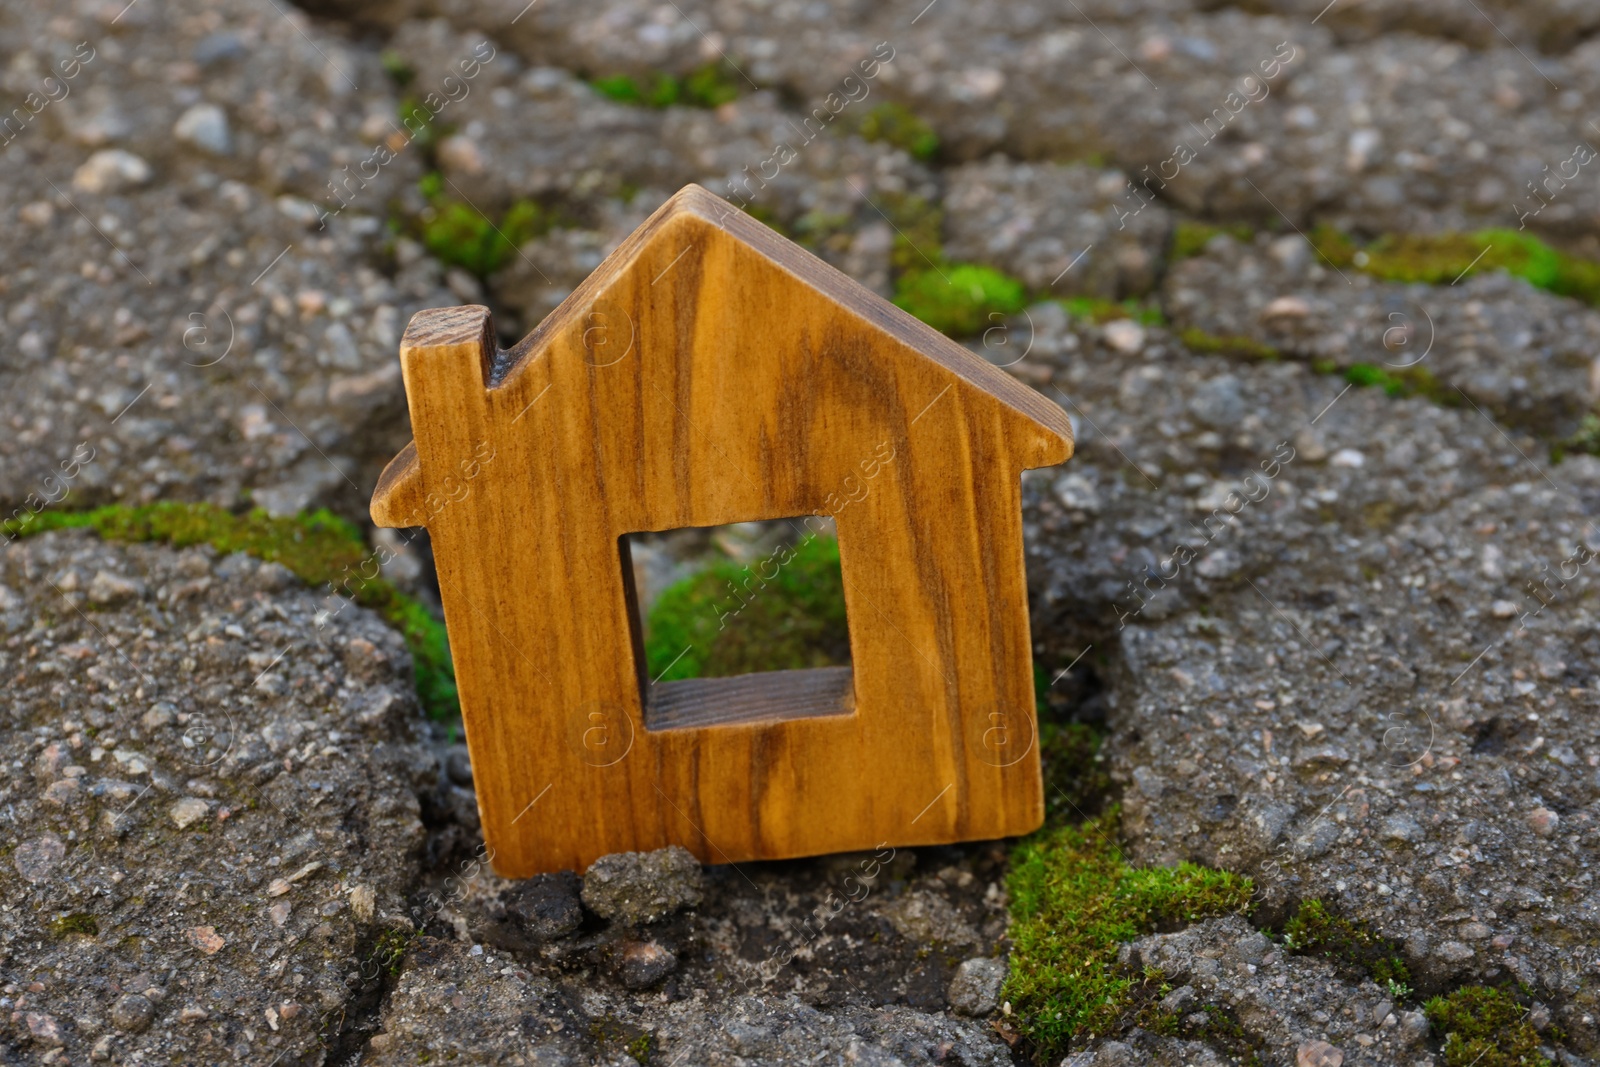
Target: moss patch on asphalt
(1395, 381)
(1441, 259)
(320, 548)
(1237, 346)
(960, 299)
(1076, 782)
(1487, 1027)
(1074, 901)
(897, 125)
(1585, 439)
(1212, 1024)
(957, 299)
(457, 233)
(775, 614)
(1436, 259)
(709, 86)
(1099, 310)
(1356, 951)
(1189, 238)
(79, 924)
(1402, 381)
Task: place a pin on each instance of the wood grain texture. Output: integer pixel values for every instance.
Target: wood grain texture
(711, 372)
(750, 698)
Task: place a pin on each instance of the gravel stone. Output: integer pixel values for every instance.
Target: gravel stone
(458, 765)
(527, 913)
(36, 858)
(111, 170)
(188, 810)
(1318, 1054)
(1179, 1001)
(132, 1013)
(632, 888)
(206, 127)
(1543, 821)
(43, 1028)
(975, 990)
(641, 964)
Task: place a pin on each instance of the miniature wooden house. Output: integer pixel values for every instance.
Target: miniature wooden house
(711, 372)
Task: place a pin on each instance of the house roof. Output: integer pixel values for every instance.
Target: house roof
(396, 499)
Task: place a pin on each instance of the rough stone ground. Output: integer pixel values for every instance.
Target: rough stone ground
(1522, 353)
(1334, 693)
(176, 309)
(210, 804)
(1279, 998)
(1305, 700)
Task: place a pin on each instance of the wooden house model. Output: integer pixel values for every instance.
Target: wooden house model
(711, 372)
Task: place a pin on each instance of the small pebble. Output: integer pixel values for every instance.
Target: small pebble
(975, 990)
(206, 939)
(644, 963)
(188, 811)
(132, 1013)
(111, 170)
(206, 127)
(1318, 1054)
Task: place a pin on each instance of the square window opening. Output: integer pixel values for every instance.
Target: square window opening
(738, 623)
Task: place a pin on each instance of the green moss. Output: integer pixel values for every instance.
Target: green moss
(395, 65)
(610, 1032)
(1443, 258)
(1355, 950)
(320, 548)
(1401, 381)
(1073, 902)
(960, 299)
(389, 952)
(1585, 439)
(1190, 238)
(1485, 1026)
(1396, 381)
(458, 233)
(1440, 259)
(418, 119)
(1212, 1024)
(1334, 247)
(1100, 310)
(919, 232)
(1198, 340)
(649, 90)
(1075, 778)
(897, 125)
(1435, 259)
(729, 619)
(79, 923)
(641, 1047)
(709, 86)
(824, 231)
